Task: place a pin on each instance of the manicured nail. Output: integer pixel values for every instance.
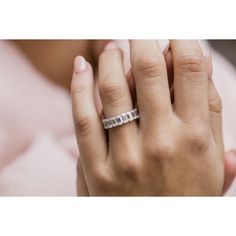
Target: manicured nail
(111, 46)
(209, 64)
(80, 65)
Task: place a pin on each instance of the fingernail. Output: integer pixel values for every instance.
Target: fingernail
(80, 64)
(111, 46)
(209, 64)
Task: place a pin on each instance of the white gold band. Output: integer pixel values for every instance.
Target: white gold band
(124, 118)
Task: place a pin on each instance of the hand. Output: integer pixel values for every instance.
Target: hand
(230, 168)
(174, 150)
(230, 156)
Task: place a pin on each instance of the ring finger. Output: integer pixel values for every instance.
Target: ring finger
(115, 94)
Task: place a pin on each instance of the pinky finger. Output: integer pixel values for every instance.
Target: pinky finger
(215, 107)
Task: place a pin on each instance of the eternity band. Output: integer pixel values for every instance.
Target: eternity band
(124, 118)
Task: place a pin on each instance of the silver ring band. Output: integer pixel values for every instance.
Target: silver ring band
(122, 119)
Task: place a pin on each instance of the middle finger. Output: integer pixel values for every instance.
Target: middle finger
(150, 73)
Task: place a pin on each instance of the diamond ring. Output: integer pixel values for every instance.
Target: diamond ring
(122, 119)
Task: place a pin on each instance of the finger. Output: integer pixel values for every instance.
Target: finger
(131, 84)
(97, 47)
(169, 64)
(230, 169)
(129, 76)
(170, 71)
(98, 101)
(82, 189)
(190, 81)
(149, 69)
(215, 106)
(89, 130)
(115, 94)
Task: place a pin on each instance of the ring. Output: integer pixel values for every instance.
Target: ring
(122, 119)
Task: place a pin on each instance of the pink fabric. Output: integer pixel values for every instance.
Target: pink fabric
(37, 141)
(45, 168)
(31, 163)
(28, 104)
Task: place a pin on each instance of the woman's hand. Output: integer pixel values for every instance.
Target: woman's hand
(175, 149)
(230, 168)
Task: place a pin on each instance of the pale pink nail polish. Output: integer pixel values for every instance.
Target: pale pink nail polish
(111, 46)
(80, 64)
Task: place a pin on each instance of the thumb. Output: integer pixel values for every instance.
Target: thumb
(230, 168)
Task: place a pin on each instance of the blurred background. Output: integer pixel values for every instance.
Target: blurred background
(227, 48)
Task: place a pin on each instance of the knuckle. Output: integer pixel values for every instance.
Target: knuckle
(111, 92)
(166, 149)
(100, 176)
(130, 170)
(161, 149)
(77, 88)
(199, 139)
(191, 64)
(215, 103)
(83, 125)
(104, 182)
(149, 67)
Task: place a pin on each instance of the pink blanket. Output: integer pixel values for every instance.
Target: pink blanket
(37, 141)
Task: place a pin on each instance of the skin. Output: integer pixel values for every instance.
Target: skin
(54, 58)
(178, 148)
